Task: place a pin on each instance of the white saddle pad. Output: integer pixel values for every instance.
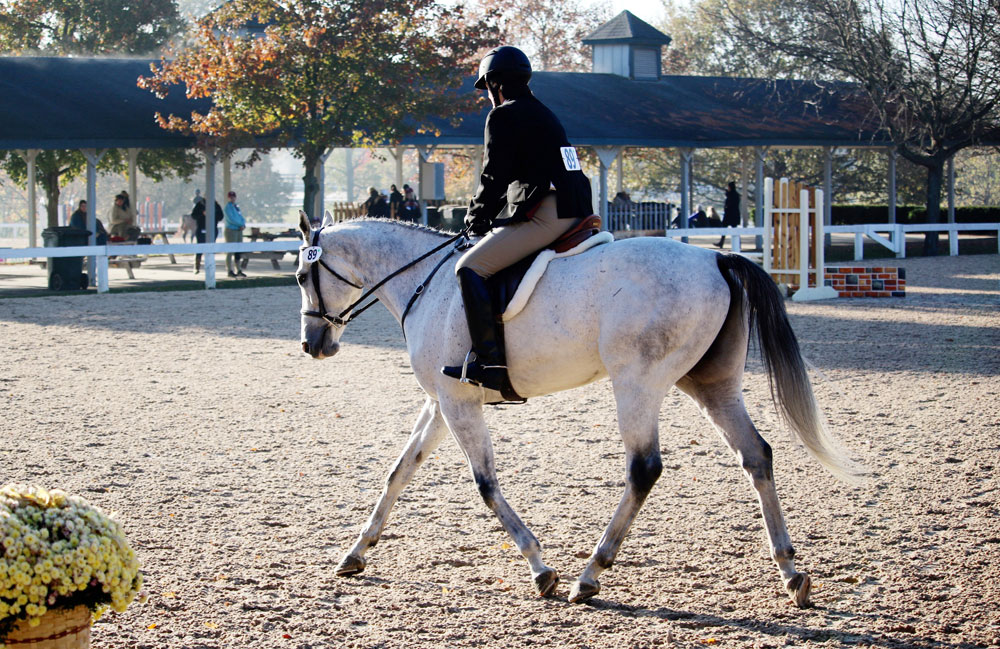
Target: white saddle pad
(527, 285)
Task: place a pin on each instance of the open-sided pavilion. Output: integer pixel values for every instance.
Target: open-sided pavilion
(94, 104)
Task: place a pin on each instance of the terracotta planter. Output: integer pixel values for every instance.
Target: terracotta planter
(60, 629)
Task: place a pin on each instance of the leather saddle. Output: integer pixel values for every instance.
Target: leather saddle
(503, 285)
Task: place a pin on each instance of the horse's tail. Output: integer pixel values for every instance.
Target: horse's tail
(754, 291)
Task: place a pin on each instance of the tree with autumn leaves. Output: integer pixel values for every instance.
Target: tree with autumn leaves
(315, 74)
(91, 28)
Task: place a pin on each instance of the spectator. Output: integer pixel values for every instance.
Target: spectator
(622, 202)
(698, 218)
(730, 211)
(188, 225)
(122, 218)
(235, 223)
(375, 206)
(79, 220)
(395, 202)
(411, 207)
(713, 220)
(198, 214)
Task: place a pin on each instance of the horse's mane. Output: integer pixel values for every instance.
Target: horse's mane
(402, 224)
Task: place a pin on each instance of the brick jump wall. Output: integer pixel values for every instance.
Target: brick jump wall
(858, 281)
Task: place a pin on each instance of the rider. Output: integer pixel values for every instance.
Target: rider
(531, 192)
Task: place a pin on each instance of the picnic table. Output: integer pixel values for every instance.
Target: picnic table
(128, 262)
(162, 234)
(272, 255)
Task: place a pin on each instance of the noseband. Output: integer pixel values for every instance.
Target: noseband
(339, 320)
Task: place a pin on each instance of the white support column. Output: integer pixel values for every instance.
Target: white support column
(744, 188)
(133, 177)
(953, 234)
(397, 154)
(29, 157)
(892, 154)
(227, 174)
(827, 184)
(606, 155)
(621, 178)
(210, 233)
(477, 166)
(349, 174)
(424, 153)
(763, 216)
(93, 156)
(759, 153)
(687, 155)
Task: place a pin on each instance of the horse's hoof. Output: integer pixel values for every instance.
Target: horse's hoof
(545, 582)
(798, 588)
(352, 564)
(583, 590)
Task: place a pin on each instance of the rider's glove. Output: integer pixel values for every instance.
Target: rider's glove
(477, 225)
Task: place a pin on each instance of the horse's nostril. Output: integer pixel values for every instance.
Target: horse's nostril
(305, 347)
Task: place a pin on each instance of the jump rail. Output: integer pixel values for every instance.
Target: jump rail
(101, 254)
(890, 235)
(893, 235)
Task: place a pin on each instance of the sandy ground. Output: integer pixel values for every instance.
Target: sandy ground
(243, 470)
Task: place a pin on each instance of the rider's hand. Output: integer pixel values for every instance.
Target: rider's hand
(477, 225)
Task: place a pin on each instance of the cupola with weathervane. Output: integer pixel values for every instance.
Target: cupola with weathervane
(627, 46)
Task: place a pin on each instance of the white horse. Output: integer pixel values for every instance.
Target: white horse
(649, 313)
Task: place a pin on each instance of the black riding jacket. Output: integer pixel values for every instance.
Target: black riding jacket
(522, 161)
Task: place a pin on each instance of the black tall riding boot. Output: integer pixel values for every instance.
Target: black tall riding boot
(486, 364)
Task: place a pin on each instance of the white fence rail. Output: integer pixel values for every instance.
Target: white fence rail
(890, 235)
(101, 254)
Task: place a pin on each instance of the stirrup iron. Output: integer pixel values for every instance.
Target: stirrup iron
(469, 358)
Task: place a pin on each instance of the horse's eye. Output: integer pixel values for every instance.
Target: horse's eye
(300, 278)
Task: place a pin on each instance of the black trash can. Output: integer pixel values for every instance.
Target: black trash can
(453, 217)
(433, 217)
(65, 273)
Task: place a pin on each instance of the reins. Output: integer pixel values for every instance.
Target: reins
(339, 320)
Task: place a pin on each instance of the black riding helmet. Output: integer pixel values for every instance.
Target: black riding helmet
(505, 65)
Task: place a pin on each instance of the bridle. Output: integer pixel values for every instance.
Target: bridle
(339, 320)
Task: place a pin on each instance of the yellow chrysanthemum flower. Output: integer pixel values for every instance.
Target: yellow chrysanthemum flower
(54, 545)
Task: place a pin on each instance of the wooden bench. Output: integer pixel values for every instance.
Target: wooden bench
(128, 262)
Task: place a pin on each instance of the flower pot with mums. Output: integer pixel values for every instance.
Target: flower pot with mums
(63, 563)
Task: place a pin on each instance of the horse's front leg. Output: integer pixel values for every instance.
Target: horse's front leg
(637, 419)
(427, 434)
(465, 419)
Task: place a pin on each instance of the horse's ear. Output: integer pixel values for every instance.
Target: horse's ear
(304, 226)
(327, 219)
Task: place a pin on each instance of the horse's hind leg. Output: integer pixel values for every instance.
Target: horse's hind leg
(722, 404)
(427, 434)
(638, 410)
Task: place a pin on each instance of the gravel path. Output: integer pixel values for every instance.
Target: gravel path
(242, 471)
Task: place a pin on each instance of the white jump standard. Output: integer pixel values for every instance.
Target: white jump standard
(649, 313)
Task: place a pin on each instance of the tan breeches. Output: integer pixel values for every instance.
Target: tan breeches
(511, 243)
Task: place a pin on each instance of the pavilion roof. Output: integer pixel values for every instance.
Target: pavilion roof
(60, 103)
(690, 111)
(76, 103)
